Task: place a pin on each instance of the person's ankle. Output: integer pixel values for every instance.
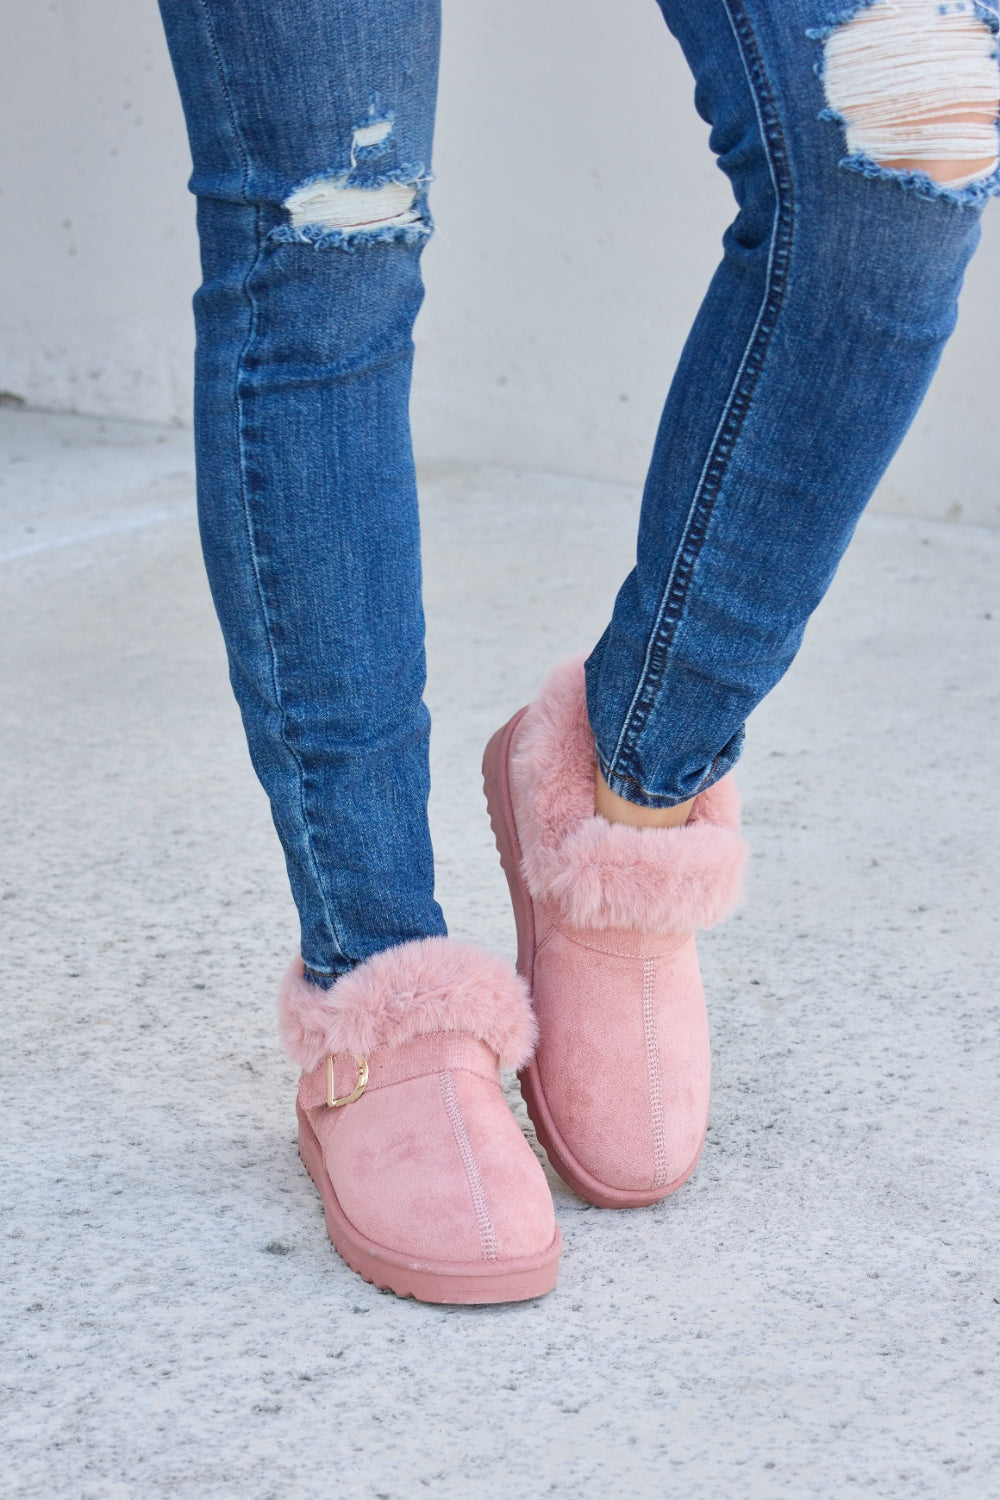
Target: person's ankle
(615, 809)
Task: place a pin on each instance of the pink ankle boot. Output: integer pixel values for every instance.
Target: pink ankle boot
(618, 1089)
(429, 1187)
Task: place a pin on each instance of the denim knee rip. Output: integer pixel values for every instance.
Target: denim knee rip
(914, 83)
(345, 209)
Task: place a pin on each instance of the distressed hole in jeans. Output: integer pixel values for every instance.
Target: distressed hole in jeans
(917, 87)
(334, 203)
(367, 137)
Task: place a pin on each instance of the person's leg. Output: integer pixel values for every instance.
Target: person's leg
(310, 128)
(808, 359)
(807, 362)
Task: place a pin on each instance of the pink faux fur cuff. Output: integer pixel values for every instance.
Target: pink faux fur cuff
(433, 984)
(603, 874)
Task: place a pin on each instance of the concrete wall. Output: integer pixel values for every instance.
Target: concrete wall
(579, 214)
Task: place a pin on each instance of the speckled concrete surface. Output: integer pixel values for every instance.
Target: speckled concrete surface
(814, 1314)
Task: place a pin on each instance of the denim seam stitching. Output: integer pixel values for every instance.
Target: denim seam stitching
(734, 413)
(240, 433)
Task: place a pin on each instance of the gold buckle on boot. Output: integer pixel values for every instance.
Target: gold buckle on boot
(331, 1099)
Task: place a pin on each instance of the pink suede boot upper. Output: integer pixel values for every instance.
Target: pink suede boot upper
(619, 1086)
(429, 1186)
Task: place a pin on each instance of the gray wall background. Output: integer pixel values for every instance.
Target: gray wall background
(579, 219)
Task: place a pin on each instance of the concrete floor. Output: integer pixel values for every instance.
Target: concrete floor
(814, 1314)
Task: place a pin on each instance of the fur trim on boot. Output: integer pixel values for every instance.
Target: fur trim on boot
(430, 985)
(603, 874)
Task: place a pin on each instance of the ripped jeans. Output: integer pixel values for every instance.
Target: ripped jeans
(310, 126)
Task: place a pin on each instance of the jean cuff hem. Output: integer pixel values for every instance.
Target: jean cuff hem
(324, 979)
(632, 790)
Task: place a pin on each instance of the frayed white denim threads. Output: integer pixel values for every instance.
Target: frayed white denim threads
(335, 203)
(917, 81)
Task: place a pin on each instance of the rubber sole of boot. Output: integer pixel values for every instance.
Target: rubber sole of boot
(496, 784)
(425, 1280)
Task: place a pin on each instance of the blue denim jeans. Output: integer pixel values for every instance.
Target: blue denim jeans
(310, 126)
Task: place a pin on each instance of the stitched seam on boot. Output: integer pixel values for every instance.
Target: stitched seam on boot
(540, 914)
(653, 1071)
(673, 943)
(484, 1219)
(428, 1072)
